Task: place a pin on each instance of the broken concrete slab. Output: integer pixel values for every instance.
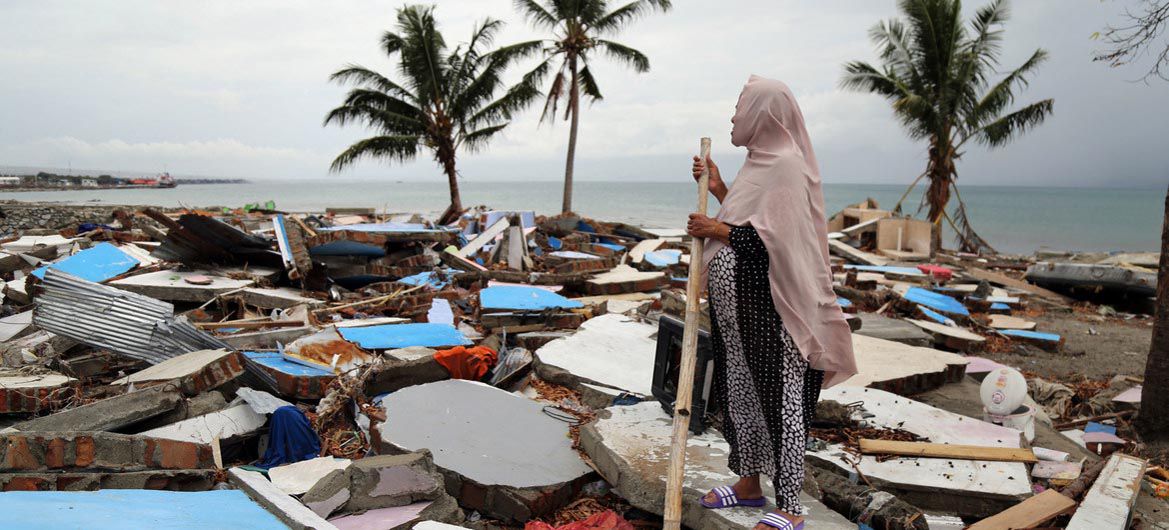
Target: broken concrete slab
(95, 451)
(952, 337)
(173, 286)
(625, 279)
(1108, 504)
(194, 373)
(964, 487)
(13, 327)
(223, 424)
(299, 477)
(417, 515)
(903, 369)
(277, 298)
(288, 510)
(118, 509)
(33, 393)
(894, 329)
(611, 350)
(386, 481)
(475, 446)
(630, 445)
(108, 414)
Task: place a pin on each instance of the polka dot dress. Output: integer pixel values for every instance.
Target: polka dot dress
(763, 388)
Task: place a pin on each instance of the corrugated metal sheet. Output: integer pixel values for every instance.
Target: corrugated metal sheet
(129, 324)
(198, 239)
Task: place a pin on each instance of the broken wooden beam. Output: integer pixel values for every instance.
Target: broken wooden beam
(958, 452)
(1028, 514)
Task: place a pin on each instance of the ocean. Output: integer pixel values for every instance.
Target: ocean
(1012, 219)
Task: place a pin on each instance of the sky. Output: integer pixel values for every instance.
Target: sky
(239, 89)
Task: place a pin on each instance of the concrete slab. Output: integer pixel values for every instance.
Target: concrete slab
(110, 413)
(233, 421)
(381, 518)
(284, 507)
(630, 445)
(894, 329)
(964, 487)
(277, 298)
(119, 509)
(194, 372)
(903, 369)
(625, 279)
(16, 326)
(33, 393)
(26, 244)
(475, 444)
(298, 477)
(172, 286)
(611, 350)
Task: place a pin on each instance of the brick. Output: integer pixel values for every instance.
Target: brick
(27, 484)
(99, 451)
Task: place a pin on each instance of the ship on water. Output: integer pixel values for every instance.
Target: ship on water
(163, 180)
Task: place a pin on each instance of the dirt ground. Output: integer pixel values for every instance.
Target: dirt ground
(1095, 347)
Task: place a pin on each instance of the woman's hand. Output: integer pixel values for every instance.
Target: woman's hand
(705, 227)
(717, 186)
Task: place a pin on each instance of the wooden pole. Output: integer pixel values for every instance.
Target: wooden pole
(673, 509)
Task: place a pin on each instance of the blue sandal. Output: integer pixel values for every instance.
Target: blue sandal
(779, 522)
(728, 499)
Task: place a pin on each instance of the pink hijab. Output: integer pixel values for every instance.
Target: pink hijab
(778, 192)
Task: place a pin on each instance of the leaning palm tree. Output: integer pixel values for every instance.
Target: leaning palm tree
(579, 28)
(937, 73)
(445, 100)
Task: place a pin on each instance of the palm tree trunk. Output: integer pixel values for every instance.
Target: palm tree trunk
(456, 208)
(574, 109)
(1154, 417)
(940, 170)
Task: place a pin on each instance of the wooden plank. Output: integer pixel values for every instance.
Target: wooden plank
(852, 254)
(1028, 514)
(1007, 281)
(1108, 505)
(957, 452)
(484, 238)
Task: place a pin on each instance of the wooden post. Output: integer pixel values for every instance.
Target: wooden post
(685, 394)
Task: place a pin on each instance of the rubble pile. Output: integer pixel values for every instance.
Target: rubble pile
(348, 369)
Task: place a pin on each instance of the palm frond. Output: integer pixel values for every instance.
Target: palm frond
(359, 75)
(400, 148)
(618, 18)
(864, 77)
(625, 54)
(555, 92)
(588, 85)
(476, 140)
(535, 13)
(1002, 94)
(1003, 130)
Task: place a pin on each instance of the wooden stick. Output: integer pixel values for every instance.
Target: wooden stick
(957, 452)
(673, 509)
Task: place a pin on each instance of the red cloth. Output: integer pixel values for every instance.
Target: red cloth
(607, 520)
(937, 271)
(467, 363)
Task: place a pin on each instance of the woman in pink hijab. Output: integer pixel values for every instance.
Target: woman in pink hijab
(779, 335)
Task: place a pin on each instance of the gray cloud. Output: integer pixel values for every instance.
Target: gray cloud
(239, 89)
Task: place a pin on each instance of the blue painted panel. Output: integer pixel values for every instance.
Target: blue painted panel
(1099, 427)
(663, 258)
(934, 315)
(999, 306)
(436, 280)
(555, 243)
(392, 336)
(96, 264)
(1035, 335)
(347, 248)
(843, 302)
(277, 362)
(121, 509)
(520, 298)
(908, 271)
(384, 228)
(611, 246)
(936, 301)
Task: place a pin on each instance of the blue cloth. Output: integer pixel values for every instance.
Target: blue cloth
(291, 438)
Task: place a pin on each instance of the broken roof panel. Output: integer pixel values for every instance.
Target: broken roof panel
(130, 324)
(936, 301)
(198, 238)
(392, 336)
(96, 264)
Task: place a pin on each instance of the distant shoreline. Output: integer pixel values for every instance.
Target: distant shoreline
(181, 182)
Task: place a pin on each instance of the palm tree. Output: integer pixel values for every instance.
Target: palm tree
(444, 102)
(579, 28)
(937, 74)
